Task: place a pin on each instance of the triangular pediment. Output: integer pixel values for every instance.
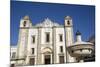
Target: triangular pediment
(47, 23)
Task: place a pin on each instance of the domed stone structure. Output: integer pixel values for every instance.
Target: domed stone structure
(81, 49)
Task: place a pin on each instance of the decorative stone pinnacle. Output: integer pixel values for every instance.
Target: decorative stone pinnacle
(26, 17)
(78, 32)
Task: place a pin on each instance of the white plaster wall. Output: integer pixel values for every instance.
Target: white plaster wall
(31, 44)
(69, 42)
(43, 42)
(58, 43)
(13, 62)
(22, 42)
(69, 36)
(43, 35)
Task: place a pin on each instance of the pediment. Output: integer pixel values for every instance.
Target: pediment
(47, 23)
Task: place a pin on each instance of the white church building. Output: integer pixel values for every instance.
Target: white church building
(48, 43)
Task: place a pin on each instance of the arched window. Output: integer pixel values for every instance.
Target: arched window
(68, 22)
(24, 24)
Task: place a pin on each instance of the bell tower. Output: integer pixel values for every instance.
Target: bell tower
(69, 31)
(68, 21)
(69, 37)
(25, 24)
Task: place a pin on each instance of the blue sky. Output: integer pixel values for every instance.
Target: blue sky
(83, 16)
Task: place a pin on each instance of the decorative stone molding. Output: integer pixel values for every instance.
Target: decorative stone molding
(47, 23)
(46, 50)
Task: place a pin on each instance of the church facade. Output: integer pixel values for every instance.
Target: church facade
(44, 43)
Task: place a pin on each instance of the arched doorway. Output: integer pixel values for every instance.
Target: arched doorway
(47, 56)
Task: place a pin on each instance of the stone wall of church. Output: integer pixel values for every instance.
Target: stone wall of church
(46, 38)
(54, 44)
(32, 33)
(59, 31)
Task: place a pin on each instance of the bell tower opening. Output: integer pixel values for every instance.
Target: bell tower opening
(24, 24)
(68, 21)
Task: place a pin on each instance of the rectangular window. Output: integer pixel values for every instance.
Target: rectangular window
(47, 37)
(61, 59)
(32, 61)
(32, 50)
(33, 39)
(61, 48)
(60, 38)
(13, 54)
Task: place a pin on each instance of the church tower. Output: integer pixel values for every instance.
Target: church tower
(25, 24)
(69, 37)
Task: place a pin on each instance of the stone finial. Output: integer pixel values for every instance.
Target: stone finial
(78, 32)
(78, 36)
(68, 17)
(26, 17)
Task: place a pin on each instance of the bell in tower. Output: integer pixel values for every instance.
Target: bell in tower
(68, 21)
(25, 22)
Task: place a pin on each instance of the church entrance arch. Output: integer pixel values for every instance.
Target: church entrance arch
(47, 55)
